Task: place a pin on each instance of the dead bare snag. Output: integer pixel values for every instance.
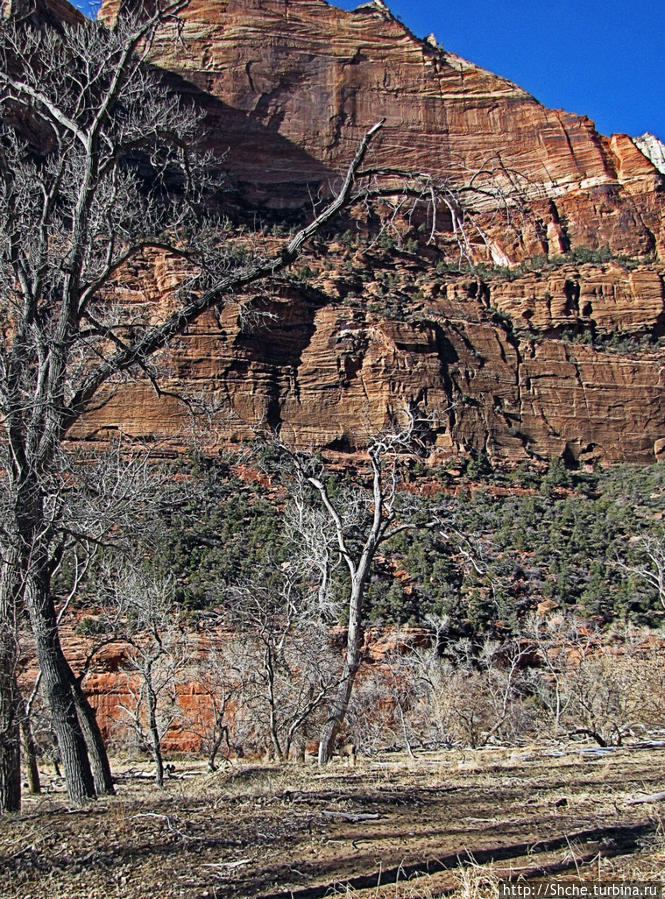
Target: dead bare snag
(359, 521)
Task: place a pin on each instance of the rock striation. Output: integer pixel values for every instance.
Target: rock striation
(319, 78)
(556, 358)
(555, 362)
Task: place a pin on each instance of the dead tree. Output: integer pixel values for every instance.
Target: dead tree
(220, 684)
(651, 567)
(601, 686)
(139, 610)
(284, 666)
(361, 520)
(551, 640)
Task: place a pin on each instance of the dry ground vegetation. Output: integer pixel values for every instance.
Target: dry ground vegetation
(442, 823)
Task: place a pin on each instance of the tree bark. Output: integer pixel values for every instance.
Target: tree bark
(29, 753)
(299, 747)
(10, 752)
(33, 531)
(269, 669)
(340, 703)
(154, 733)
(220, 734)
(359, 574)
(57, 677)
(99, 759)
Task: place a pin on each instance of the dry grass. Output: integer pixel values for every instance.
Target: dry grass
(391, 828)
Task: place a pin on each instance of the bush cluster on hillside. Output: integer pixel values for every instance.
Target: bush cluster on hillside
(561, 536)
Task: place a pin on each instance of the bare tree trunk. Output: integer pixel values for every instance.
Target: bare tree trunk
(54, 754)
(222, 733)
(276, 746)
(33, 531)
(299, 747)
(383, 515)
(340, 703)
(269, 668)
(405, 733)
(154, 734)
(57, 677)
(71, 743)
(29, 752)
(10, 752)
(31, 563)
(99, 759)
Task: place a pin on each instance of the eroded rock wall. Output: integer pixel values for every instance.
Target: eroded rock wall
(521, 366)
(550, 363)
(292, 86)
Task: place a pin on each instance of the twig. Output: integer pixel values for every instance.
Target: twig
(652, 797)
(352, 816)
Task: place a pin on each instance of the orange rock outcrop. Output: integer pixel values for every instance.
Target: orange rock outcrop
(532, 366)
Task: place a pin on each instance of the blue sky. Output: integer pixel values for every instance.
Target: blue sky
(600, 58)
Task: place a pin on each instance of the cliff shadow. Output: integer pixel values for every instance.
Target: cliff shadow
(264, 169)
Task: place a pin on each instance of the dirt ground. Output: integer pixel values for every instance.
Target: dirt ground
(391, 826)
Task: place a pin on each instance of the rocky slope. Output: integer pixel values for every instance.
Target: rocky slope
(561, 357)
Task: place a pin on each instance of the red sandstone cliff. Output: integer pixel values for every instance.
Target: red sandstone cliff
(319, 77)
(290, 86)
(336, 360)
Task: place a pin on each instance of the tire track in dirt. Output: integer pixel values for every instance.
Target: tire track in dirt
(614, 840)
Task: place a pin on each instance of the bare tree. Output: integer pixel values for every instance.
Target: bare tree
(425, 677)
(28, 744)
(221, 684)
(285, 666)
(458, 692)
(466, 205)
(140, 612)
(482, 691)
(93, 501)
(360, 520)
(602, 686)
(651, 567)
(550, 640)
(96, 171)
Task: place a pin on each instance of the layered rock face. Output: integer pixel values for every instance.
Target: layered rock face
(552, 363)
(535, 365)
(318, 78)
